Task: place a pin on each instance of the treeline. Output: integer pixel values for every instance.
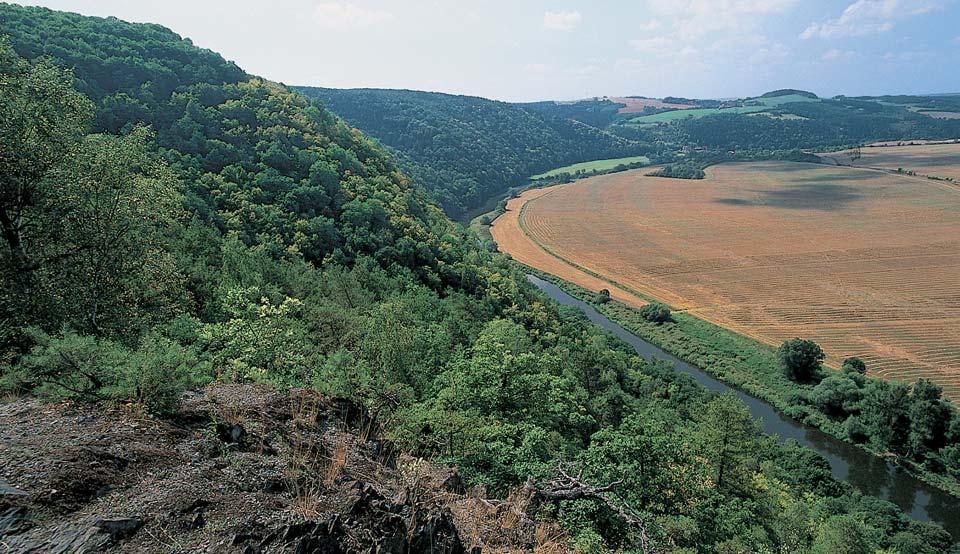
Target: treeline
(692, 166)
(915, 423)
(824, 124)
(789, 92)
(597, 113)
(946, 103)
(570, 176)
(464, 150)
(249, 235)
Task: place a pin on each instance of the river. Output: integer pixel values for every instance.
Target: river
(866, 472)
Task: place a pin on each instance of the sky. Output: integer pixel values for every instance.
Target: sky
(524, 50)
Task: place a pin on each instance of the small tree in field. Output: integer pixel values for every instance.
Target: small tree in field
(800, 359)
(856, 370)
(655, 312)
(603, 296)
(854, 365)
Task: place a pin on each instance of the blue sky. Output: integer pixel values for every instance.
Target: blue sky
(533, 49)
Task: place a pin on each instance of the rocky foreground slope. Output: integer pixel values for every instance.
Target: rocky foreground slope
(242, 469)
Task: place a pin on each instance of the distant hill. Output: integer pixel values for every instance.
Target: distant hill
(791, 119)
(465, 150)
(788, 92)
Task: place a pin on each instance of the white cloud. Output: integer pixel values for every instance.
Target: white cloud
(536, 68)
(865, 17)
(703, 36)
(649, 26)
(775, 53)
(664, 48)
(342, 15)
(584, 70)
(653, 45)
(692, 19)
(906, 56)
(836, 54)
(562, 20)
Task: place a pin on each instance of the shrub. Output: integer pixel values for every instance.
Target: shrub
(603, 296)
(800, 359)
(84, 368)
(854, 365)
(856, 430)
(155, 376)
(72, 366)
(655, 312)
(837, 395)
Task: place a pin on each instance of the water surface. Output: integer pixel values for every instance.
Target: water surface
(868, 473)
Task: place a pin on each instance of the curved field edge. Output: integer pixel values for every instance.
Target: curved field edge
(735, 358)
(644, 297)
(737, 361)
(595, 165)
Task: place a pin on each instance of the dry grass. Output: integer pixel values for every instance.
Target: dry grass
(499, 525)
(337, 460)
(313, 467)
(864, 262)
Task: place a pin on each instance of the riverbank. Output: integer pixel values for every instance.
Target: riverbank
(737, 361)
(871, 475)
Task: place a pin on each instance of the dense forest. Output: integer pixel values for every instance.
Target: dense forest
(598, 113)
(464, 150)
(811, 125)
(431, 133)
(169, 221)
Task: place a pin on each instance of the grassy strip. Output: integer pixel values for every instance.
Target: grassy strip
(736, 360)
(596, 165)
(695, 113)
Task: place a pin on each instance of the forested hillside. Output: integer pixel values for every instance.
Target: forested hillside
(807, 125)
(465, 150)
(169, 222)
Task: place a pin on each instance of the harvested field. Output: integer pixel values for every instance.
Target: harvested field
(637, 105)
(937, 160)
(510, 238)
(942, 115)
(865, 262)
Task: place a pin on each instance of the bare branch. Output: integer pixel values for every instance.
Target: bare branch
(566, 487)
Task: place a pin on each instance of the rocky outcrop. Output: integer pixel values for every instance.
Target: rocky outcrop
(242, 469)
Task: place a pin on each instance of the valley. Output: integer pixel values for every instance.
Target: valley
(860, 261)
(240, 316)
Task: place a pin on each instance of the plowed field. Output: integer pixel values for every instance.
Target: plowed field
(864, 262)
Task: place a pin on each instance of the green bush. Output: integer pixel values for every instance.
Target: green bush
(801, 359)
(837, 395)
(84, 368)
(854, 365)
(603, 296)
(155, 376)
(655, 312)
(72, 366)
(856, 431)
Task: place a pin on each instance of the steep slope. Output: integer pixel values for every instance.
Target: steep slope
(464, 149)
(291, 252)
